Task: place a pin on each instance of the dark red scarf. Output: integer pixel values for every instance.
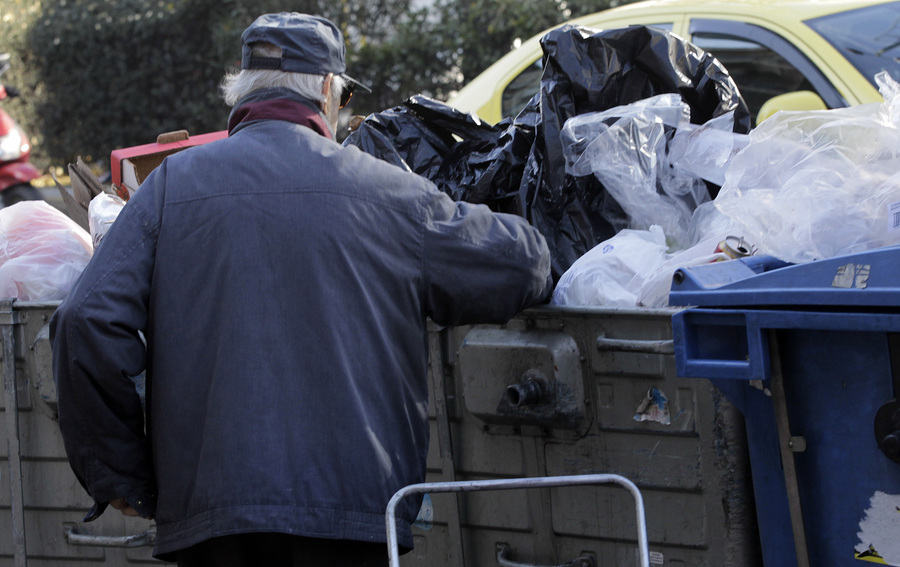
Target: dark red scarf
(280, 109)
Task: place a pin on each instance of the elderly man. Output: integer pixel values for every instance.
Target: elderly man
(275, 286)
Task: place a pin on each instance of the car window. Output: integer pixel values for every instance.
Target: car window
(762, 63)
(868, 37)
(526, 84)
(522, 89)
(759, 72)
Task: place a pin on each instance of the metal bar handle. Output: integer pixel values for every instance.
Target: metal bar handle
(503, 484)
(503, 560)
(645, 347)
(142, 539)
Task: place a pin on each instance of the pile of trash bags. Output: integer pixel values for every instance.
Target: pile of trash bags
(540, 164)
(636, 158)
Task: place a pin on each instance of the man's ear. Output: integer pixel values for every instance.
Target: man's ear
(326, 89)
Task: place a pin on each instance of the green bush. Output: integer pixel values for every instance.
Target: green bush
(116, 74)
(97, 75)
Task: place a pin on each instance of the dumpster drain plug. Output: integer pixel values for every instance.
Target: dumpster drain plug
(529, 391)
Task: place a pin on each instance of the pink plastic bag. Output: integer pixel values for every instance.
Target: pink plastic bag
(42, 252)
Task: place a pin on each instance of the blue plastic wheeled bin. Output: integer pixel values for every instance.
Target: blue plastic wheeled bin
(810, 354)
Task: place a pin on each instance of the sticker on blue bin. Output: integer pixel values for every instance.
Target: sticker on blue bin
(878, 531)
(852, 276)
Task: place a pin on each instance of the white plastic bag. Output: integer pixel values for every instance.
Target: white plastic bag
(819, 184)
(654, 292)
(631, 269)
(613, 272)
(102, 213)
(42, 251)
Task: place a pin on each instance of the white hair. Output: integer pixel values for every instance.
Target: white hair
(237, 85)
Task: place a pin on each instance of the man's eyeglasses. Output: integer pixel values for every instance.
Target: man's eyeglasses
(347, 93)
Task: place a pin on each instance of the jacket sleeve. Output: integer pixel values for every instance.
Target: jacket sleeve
(98, 350)
(481, 266)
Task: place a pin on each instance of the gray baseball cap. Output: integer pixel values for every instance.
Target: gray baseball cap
(309, 44)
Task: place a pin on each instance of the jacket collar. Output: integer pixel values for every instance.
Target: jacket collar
(278, 104)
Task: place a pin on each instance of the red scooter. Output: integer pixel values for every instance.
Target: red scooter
(16, 172)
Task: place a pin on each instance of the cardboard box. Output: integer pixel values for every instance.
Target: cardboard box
(130, 166)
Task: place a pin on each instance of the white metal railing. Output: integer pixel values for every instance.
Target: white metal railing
(504, 484)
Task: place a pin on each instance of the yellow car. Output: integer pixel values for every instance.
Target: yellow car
(783, 54)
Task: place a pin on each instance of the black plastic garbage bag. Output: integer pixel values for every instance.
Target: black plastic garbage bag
(423, 135)
(518, 166)
(465, 157)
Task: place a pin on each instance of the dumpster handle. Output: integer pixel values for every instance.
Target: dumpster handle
(789, 466)
(437, 350)
(142, 539)
(501, 484)
(503, 560)
(645, 347)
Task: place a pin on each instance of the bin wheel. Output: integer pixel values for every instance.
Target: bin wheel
(887, 430)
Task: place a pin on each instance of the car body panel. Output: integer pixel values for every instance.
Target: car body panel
(784, 19)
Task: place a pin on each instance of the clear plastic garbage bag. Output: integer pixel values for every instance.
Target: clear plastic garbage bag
(706, 151)
(818, 184)
(651, 160)
(42, 252)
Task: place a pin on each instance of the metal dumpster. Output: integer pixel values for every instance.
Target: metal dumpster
(41, 504)
(610, 403)
(555, 392)
(811, 355)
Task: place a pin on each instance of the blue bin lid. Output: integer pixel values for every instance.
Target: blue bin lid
(870, 278)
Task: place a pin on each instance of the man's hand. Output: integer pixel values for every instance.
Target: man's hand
(122, 506)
